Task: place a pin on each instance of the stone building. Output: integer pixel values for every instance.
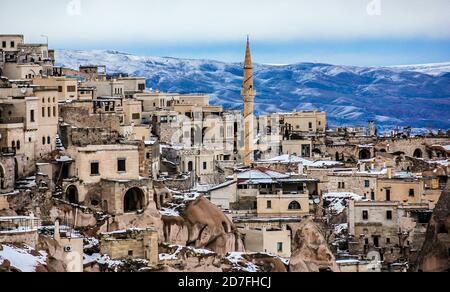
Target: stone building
(395, 229)
(108, 177)
(273, 194)
(272, 241)
(131, 244)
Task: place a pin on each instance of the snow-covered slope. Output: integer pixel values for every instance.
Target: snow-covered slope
(351, 95)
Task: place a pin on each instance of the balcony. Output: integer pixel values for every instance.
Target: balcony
(12, 120)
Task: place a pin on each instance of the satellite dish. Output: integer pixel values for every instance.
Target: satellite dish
(23, 90)
(317, 201)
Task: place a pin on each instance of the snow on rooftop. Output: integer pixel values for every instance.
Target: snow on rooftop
(64, 159)
(169, 212)
(21, 258)
(295, 159)
(174, 256)
(337, 202)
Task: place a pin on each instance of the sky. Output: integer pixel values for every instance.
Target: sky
(350, 32)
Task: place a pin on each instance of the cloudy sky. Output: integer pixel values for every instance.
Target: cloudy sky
(357, 32)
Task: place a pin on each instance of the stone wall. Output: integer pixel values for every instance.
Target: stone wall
(7, 165)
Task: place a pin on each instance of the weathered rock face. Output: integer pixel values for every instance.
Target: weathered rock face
(434, 256)
(149, 218)
(312, 253)
(203, 225)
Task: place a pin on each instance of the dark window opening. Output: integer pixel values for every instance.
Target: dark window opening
(280, 247)
(389, 215)
(121, 165)
(95, 170)
(365, 215)
(294, 206)
(269, 204)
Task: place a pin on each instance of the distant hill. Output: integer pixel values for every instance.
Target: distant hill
(416, 95)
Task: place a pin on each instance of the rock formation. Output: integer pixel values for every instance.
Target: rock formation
(434, 255)
(202, 225)
(312, 253)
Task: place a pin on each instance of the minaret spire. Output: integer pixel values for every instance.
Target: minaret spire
(248, 93)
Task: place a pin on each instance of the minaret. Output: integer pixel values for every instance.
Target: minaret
(248, 93)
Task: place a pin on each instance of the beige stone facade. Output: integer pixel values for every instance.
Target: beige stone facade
(131, 244)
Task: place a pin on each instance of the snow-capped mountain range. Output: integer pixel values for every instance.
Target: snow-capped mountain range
(416, 95)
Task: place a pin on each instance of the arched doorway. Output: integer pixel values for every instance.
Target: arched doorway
(2, 178)
(133, 200)
(294, 206)
(418, 153)
(72, 195)
(16, 169)
(364, 154)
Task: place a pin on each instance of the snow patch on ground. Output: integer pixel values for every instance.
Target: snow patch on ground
(21, 258)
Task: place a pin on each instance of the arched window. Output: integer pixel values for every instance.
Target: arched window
(43, 140)
(13, 144)
(418, 153)
(190, 166)
(48, 140)
(294, 206)
(18, 145)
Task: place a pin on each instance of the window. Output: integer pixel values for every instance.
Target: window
(388, 241)
(280, 247)
(49, 112)
(365, 215)
(60, 89)
(54, 111)
(18, 145)
(310, 126)
(269, 204)
(205, 165)
(3, 44)
(141, 87)
(71, 88)
(190, 166)
(294, 206)
(95, 168)
(48, 140)
(389, 215)
(121, 165)
(149, 155)
(306, 150)
(13, 44)
(412, 193)
(388, 195)
(43, 112)
(367, 183)
(43, 140)
(136, 116)
(32, 116)
(13, 144)
(130, 253)
(372, 196)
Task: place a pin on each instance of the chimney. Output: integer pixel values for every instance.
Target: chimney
(362, 167)
(389, 173)
(301, 169)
